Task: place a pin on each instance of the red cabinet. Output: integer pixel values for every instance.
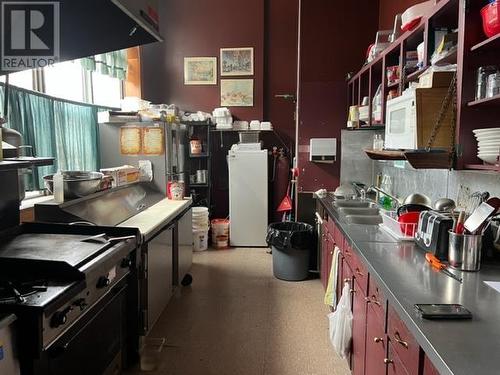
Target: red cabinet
(376, 342)
(394, 364)
(429, 368)
(403, 343)
(358, 329)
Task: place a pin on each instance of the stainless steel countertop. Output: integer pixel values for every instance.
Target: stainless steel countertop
(467, 347)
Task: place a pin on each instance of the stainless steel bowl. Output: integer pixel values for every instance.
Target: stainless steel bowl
(76, 184)
(417, 198)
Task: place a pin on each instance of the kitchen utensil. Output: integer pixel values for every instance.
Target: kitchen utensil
(417, 198)
(104, 238)
(411, 208)
(459, 227)
(444, 205)
(408, 223)
(77, 184)
(464, 251)
(436, 263)
(478, 217)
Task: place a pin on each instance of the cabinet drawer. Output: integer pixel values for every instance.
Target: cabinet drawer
(358, 269)
(377, 300)
(394, 363)
(403, 342)
(376, 341)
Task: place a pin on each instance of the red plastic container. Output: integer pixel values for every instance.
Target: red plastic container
(491, 19)
(408, 223)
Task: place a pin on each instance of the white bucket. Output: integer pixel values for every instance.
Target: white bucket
(200, 240)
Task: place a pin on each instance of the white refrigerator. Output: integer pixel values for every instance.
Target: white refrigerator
(248, 197)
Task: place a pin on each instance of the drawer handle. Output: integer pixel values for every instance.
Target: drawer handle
(367, 299)
(378, 339)
(359, 272)
(374, 300)
(388, 361)
(397, 337)
(348, 280)
(353, 291)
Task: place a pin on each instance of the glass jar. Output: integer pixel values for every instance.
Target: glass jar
(493, 85)
(482, 77)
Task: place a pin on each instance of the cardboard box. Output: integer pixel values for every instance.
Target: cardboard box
(123, 175)
(432, 80)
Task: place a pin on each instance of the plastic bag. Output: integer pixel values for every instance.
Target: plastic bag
(288, 235)
(341, 324)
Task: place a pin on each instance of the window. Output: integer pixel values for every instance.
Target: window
(65, 80)
(23, 79)
(106, 90)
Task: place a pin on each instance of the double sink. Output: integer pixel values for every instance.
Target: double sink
(357, 211)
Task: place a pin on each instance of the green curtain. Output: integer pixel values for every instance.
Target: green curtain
(56, 128)
(113, 64)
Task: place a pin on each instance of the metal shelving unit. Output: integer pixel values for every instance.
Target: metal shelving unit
(201, 192)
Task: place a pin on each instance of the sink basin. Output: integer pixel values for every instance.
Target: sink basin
(354, 203)
(364, 219)
(358, 211)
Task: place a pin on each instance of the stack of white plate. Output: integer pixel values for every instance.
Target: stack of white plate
(488, 144)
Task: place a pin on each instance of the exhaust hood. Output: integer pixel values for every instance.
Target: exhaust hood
(92, 27)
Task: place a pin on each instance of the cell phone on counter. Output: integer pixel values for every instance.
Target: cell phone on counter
(442, 311)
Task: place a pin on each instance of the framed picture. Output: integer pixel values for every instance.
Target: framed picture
(236, 61)
(200, 70)
(236, 92)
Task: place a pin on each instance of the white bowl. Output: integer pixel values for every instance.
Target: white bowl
(486, 130)
(493, 142)
(490, 159)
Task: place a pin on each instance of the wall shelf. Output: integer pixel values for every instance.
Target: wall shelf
(493, 43)
(449, 58)
(416, 75)
(385, 154)
(495, 100)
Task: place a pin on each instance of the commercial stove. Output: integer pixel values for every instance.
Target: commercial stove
(75, 298)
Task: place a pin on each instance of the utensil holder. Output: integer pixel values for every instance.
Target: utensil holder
(464, 251)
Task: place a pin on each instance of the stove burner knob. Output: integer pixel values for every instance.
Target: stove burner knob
(126, 263)
(60, 317)
(103, 282)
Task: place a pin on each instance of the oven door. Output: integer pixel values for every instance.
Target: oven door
(400, 132)
(95, 345)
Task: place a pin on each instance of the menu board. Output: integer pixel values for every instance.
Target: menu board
(130, 140)
(153, 141)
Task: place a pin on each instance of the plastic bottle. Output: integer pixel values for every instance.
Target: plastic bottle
(58, 189)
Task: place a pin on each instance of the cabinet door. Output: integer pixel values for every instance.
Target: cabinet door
(375, 343)
(324, 259)
(403, 342)
(358, 330)
(394, 364)
(429, 368)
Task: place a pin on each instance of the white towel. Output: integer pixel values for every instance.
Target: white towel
(331, 295)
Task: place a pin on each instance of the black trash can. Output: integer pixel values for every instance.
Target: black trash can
(292, 244)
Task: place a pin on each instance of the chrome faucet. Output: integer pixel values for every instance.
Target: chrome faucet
(377, 189)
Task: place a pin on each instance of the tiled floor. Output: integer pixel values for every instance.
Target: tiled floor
(237, 319)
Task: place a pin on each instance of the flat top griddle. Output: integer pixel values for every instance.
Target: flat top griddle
(44, 247)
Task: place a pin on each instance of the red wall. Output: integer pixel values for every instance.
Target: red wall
(389, 9)
(201, 28)
(332, 44)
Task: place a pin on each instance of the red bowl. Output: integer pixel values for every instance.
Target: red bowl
(408, 223)
(491, 19)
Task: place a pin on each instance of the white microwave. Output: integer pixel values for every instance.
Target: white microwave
(401, 122)
(411, 120)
